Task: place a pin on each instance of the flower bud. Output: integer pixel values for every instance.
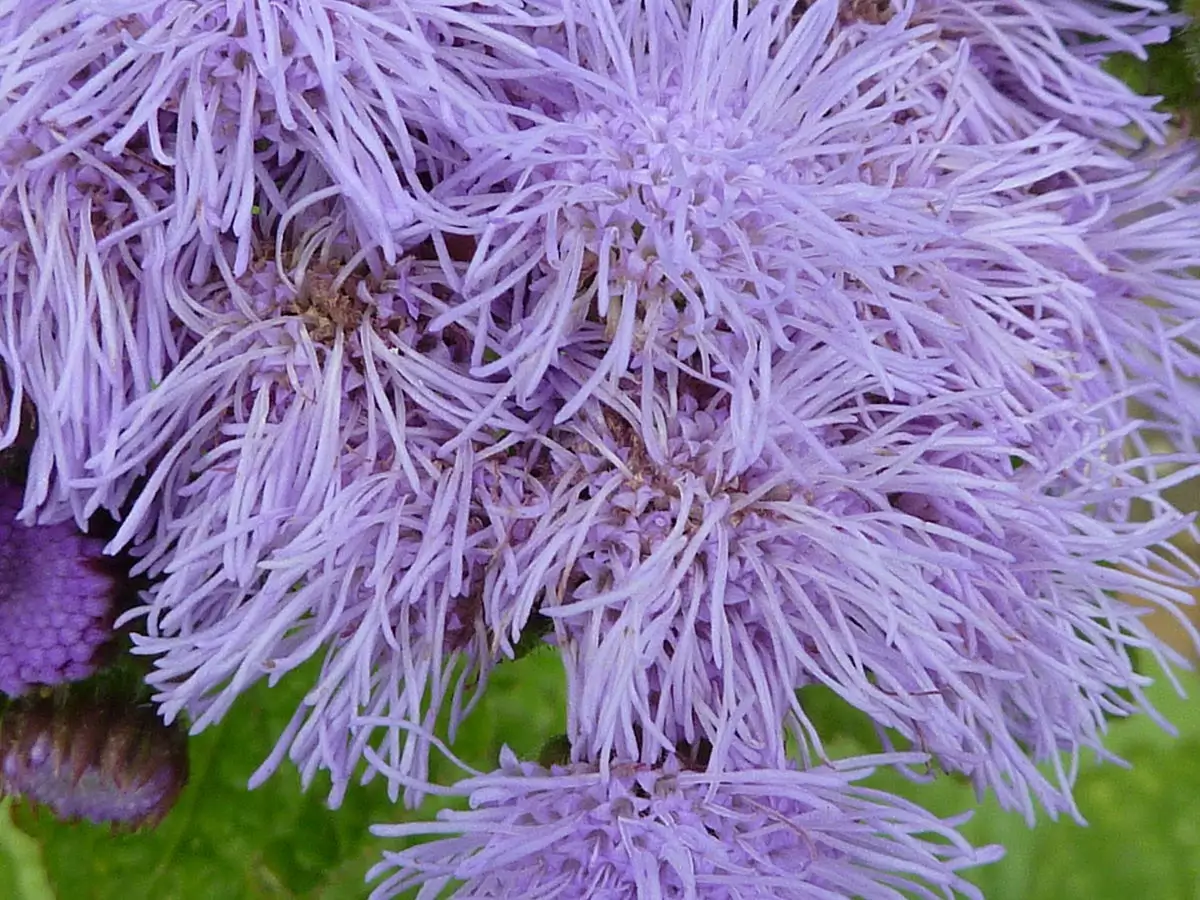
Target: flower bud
(93, 758)
(57, 594)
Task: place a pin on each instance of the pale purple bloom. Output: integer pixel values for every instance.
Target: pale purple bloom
(83, 330)
(309, 492)
(57, 601)
(1144, 229)
(672, 163)
(224, 94)
(1046, 57)
(757, 182)
(664, 831)
(950, 582)
(754, 345)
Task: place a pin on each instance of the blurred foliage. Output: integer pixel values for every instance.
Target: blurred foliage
(275, 842)
(1172, 70)
(1142, 839)
(1143, 833)
(222, 841)
(21, 872)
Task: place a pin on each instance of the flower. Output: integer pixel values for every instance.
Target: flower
(309, 469)
(1143, 226)
(666, 831)
(737, 184)
(753, 346)
(102, 760)
(953, 585)
(681, 182)
(225, 95)
(57, 603)
(83, 330)
(1047, 58)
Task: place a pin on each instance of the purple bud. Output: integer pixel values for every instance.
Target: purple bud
(56, 601)
(98, 760)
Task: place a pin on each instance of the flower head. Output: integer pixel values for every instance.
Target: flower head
(949, 582)
(224, 95)
(664, 831)
(712, 190)
(754, 345)
(674, 190)
(310, 475)
(84, 328)
(1046, 58)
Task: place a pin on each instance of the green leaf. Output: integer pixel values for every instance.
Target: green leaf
(844, 730)
(222, 840)
(1143, 834)
(22, 875)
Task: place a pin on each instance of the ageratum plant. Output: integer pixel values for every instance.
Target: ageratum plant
(729, 349)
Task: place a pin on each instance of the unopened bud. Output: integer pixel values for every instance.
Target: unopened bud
(57, 601)
(92, 759)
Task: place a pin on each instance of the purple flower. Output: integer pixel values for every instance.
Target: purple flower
(83, 328)
(949, 582)
(665, 831)
(755, 346)
(1143, 225)
(674, 176)
(224, 95)
(710, 190)
(308, 489)
(1046, 57)
(86, 758)
(56, 608)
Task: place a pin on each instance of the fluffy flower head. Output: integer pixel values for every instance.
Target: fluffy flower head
(667, 832)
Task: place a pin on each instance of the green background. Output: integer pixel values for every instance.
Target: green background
(221, 841)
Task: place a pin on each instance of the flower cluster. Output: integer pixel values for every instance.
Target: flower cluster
(752, 346)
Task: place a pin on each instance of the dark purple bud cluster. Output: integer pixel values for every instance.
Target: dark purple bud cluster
(93, 759)
(57, 598)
